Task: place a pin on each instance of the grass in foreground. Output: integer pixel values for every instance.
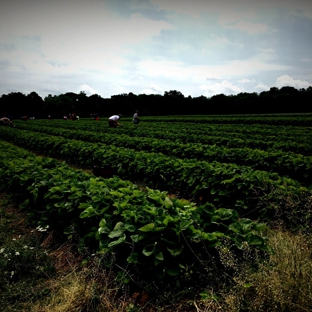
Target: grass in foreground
(41, 276)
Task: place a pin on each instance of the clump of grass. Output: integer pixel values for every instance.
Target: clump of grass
(24, 264)
(283, 282)
(89, 288)
(71, 293)
(291, 210)
(250, 281)
(286, 282)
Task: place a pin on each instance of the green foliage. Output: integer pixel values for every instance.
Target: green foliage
(226, 185)
(24, 265)
(158, 236)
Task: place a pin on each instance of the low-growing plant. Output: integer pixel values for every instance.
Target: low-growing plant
(24, 264)
(292, 210)
(282, 283)
(157, 240)
(174, 244)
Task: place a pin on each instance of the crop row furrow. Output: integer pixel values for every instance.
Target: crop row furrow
(154, 237)
(295, 166)
(220, 134)
(292, 143)
(177, 127)
(226, 185)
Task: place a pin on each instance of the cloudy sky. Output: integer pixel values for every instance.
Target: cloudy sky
(199, 47)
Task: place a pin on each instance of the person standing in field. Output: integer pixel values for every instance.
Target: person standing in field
(113, 121)
(136, 118)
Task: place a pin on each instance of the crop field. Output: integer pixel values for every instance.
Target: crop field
(166, 198)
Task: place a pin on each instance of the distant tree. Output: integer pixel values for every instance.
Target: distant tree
(288, 90)
(174, 101)
(35, 105)
(151, 104)
(246, 103)
(199, 105)
(82, 104)
(273, 90)
(220, 104)
(58, 106)
(14, 104)
(97, 104)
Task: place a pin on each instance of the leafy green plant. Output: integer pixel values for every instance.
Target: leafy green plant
(154, 237)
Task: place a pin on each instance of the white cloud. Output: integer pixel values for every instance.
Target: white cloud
(212, 78)
(182, 7)
(154, 46)
(152, 89)
(225, 87)
(262, 87)
(249, 27)
(227, 10)
(245, 81)
(218, 39)
(79, 35)
(115, 89)
(198, 73)
(287, 81)
(87, 89)
(161, 68)
(135, 77)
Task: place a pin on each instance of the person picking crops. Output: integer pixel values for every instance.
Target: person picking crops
(5, 121)
(136, 118)
(113, 121)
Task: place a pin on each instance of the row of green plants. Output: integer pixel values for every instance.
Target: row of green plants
(295, 119)
(238, 130)
(295, 166)
(150, 129)
(226, 185)
(304, 119)
(155, 240)
(290, 142)
(263, 132)
(277, 119)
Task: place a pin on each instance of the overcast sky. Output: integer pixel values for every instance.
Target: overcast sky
(199, 47)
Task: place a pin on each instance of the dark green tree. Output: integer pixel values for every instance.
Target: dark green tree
(174, 103)
(14, 104)
(35, 105)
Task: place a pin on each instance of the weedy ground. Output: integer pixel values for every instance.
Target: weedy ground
(40, 274)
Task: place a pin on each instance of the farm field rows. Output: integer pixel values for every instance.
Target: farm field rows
(296, 166)
(230, 177)
(288, 138)
(183, 187)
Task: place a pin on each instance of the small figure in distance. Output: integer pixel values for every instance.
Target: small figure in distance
(5, 121)
(136, 118)
(73, 116)
(96, 117)
(113, 121)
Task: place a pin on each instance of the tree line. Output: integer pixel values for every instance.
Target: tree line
(173, 102)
